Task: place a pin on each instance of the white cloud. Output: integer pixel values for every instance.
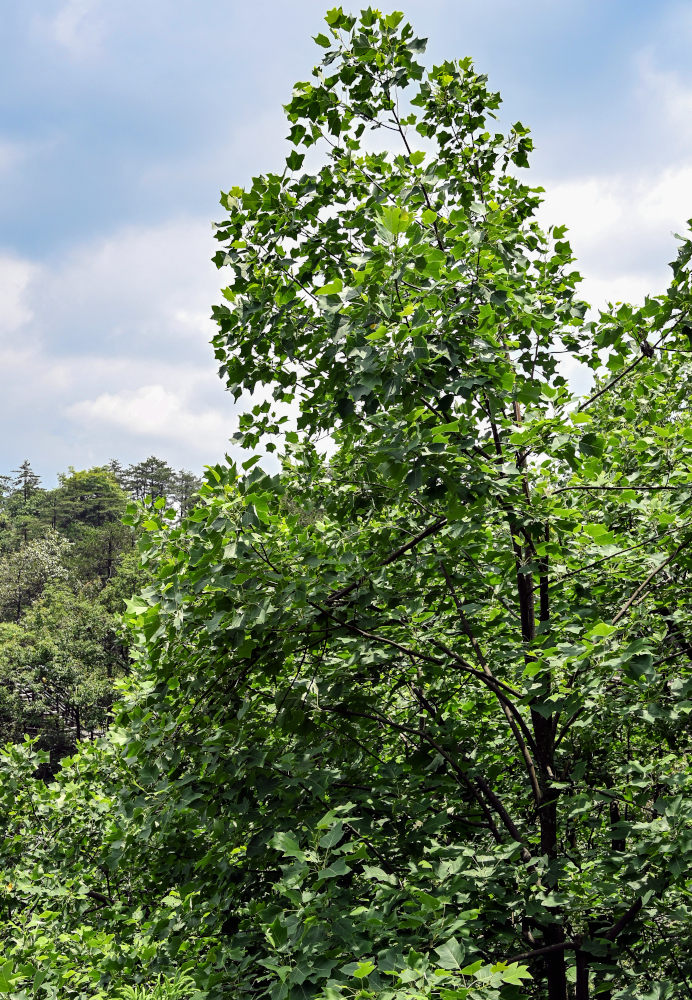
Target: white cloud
(622, 228)
(104, 348)
(105, 351)
(622, 222)
(16, 275)
(77, 26)
(143, 291)
(668, 95)
(157, 414)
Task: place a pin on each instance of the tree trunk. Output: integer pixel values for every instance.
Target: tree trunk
(556, 973)
(582, 992)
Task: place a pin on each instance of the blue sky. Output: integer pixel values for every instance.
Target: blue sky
(120, 120)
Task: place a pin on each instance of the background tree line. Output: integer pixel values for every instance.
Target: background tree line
(67, 565)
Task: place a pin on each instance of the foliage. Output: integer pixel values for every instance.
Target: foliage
(24, 573)
(60, 664)
(67, 565)
(25, 495)
(153, 479)
(179, 988)
(87, 507)
(410, 717)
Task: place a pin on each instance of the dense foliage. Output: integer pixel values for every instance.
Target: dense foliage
(67, 564)
(410, 718)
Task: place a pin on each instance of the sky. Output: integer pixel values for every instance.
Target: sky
(121, 120)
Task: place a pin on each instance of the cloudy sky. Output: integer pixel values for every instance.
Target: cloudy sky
(120, 121)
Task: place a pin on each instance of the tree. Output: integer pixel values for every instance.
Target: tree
(23, 503)
(61, 658)
(87, 508)
(151, 478)
(185, 486)
(411, 715)
(26, 480)
(25, 573)
(89, 497)
(473, 637)
(70, 657)
(57, 669)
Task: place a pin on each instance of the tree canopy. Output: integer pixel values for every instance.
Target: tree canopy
(67, 564)
(409, 718)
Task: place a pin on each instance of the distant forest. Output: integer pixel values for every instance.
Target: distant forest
(67, 565)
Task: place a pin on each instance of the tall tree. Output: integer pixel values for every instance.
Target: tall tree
(24, 502)
(462, 635)
(87, 507)
(26, 572)
(26, 480)
(185, 486)
(151, 478)
(90, 497)
(116, 469)
(57, 670)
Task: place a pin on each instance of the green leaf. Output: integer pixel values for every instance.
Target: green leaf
(364, 970)
(513, 974)
(285, 843)
(592, 444)
(450, 954)
(294, 160)
(379, 334)
(394, 219)
(602, 630)
(392, 20)
(334, 870)
(331, 288)
(471, 970)
(333, 836)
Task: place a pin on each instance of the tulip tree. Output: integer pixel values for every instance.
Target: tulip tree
(459, 631)
(410, 717)
(479, 599)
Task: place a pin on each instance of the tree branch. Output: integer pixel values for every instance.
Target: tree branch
(506, 707)
(611, 384)
(626, 918)
(461, 775)
(549, 949)
(432, 529)
(642, 587)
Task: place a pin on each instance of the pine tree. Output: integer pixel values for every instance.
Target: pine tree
(151, 478)
(185, 485)
(26, 480)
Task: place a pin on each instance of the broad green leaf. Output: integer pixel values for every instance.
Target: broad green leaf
(450, 954)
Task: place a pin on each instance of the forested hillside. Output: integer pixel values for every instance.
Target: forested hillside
(67, 565)
(409, 719)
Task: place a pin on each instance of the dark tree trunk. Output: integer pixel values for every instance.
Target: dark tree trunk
(556, 972)
(582, 992)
